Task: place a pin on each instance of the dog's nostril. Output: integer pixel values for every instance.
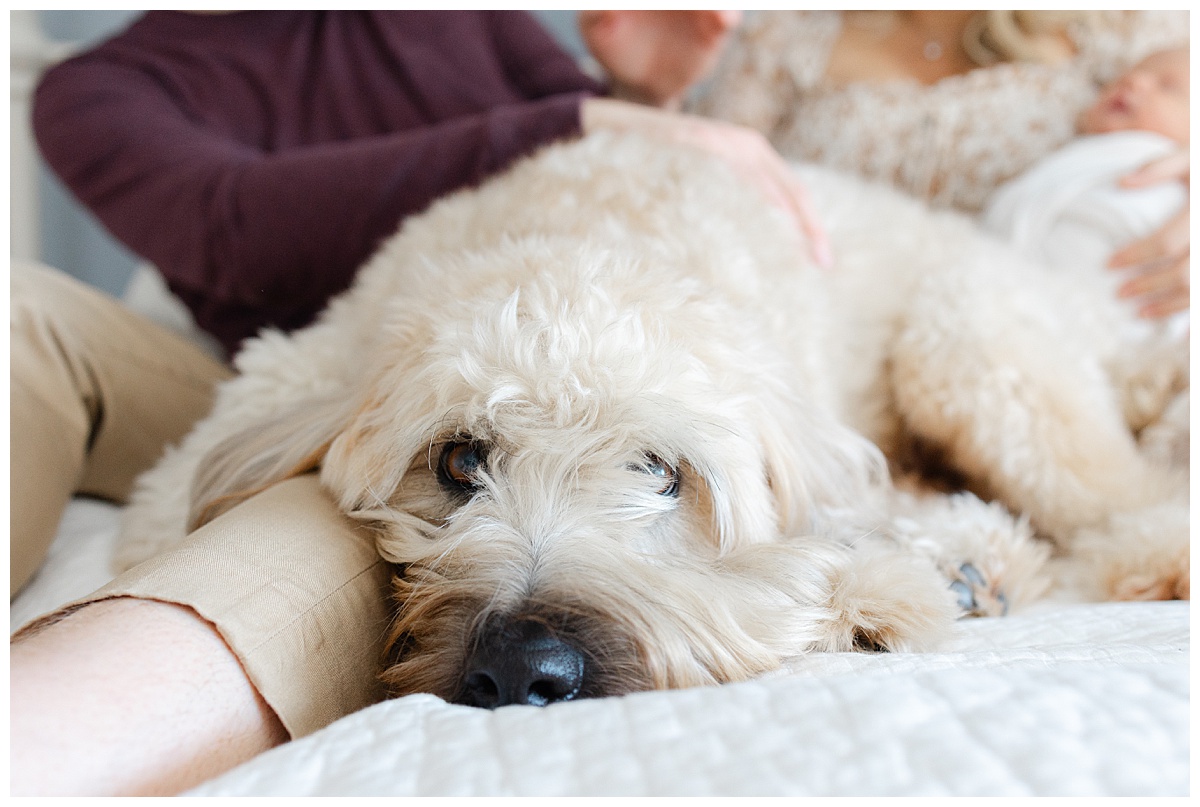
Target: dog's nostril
(559, 677)
(522, 662)
(481, 690)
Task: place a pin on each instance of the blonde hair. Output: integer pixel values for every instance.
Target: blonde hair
(991, 37)
(1024, 36)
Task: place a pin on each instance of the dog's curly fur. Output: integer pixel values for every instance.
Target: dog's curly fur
(684, 440)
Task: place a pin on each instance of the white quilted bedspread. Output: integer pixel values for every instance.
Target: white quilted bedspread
(1079, 700)
(1067, 700)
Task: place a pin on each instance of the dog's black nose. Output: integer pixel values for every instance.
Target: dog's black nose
(521, 661)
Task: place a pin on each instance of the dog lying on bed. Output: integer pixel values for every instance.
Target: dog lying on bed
(616, 433)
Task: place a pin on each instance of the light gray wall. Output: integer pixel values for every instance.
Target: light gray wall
(562, 25)
(72, 239)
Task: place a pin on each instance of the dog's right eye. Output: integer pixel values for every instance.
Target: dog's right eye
(460, 464)
(667, 476)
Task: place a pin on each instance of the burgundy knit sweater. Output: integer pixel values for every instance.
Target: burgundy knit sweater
(258, 158)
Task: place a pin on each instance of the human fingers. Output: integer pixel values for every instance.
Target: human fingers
(1174, 298)
(1176, 165)
(745, 150)
(810, 223)
(1165, 307)
(1167, 279)
(789, 193)
(799, 202)
(1172, 240)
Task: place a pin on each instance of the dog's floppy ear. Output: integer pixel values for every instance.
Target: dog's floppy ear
(265, 451)
(368, 457)
(814, 462)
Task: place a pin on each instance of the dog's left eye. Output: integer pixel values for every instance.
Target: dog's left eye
(667, 476)
(459, 466)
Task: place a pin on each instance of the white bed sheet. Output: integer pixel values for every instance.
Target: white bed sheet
(1080, 700)
(77, 563)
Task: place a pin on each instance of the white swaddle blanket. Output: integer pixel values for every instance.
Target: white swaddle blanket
(1069, 211)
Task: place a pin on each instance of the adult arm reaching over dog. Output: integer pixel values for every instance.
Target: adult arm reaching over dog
(257, 185)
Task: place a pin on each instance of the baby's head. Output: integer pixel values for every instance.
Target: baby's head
(1151, 97)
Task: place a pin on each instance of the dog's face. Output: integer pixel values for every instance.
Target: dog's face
(580, 501)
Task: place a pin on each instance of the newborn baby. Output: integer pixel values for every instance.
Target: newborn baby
(1069, 208)
(1070, 212)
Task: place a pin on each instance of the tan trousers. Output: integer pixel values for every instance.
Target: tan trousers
(294, 587)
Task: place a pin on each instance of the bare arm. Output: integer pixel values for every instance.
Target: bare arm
(130, 697)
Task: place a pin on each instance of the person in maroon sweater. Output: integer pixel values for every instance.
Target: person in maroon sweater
(257, 159)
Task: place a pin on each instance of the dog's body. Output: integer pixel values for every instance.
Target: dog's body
(608, 420)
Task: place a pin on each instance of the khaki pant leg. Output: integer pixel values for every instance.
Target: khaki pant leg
(97, 392)
(295, 588)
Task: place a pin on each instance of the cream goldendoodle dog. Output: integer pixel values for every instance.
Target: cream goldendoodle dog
(617, 434)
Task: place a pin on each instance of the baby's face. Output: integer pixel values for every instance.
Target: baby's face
(1151, 97)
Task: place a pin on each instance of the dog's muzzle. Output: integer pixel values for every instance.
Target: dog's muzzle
(521, 661)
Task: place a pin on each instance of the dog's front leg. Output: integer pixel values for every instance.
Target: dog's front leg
(873, 595)
(986, 370)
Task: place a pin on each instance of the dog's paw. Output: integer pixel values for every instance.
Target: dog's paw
(976, 595)
(1174, 586)
(887, 601)
(1143, 555)
(866, 643)
(988, 558)
(1168, 579)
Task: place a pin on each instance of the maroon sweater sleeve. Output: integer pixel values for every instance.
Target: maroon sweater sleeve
(236, 230)
(533, 61)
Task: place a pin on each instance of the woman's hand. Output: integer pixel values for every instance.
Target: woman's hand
(1161, 262)
(744, 149)
(654, 57)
